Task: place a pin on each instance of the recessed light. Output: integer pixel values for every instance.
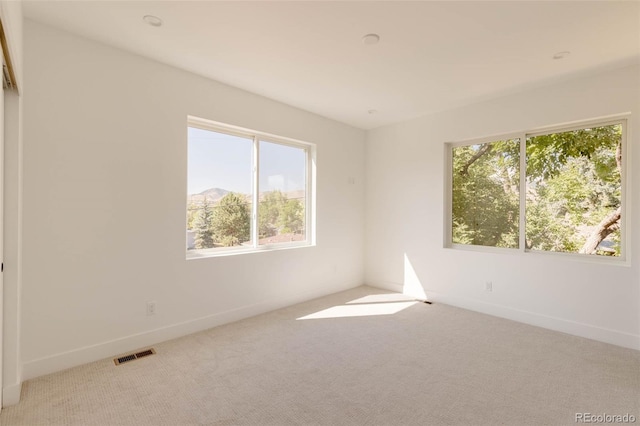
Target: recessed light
(561, 55)
(154, 21)
(371, 39)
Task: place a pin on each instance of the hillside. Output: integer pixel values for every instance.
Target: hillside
(213, 195)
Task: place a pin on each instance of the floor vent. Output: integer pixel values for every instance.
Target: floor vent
(145, 353)
(131, 357)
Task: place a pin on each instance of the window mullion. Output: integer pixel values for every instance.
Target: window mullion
(308, 197)
(256, 192)
(523, 192)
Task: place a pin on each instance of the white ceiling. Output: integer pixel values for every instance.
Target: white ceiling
(432, 56)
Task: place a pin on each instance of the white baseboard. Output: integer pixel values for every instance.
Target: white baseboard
(387, 285)
(80, 356)
(11, 394)
(601, 334)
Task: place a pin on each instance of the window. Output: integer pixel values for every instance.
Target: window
(486, 204)
(246, 190)
(569, 200)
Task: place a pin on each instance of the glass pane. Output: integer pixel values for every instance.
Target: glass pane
(573, 201)
(486, 182)
(220, 190)
(282, 180)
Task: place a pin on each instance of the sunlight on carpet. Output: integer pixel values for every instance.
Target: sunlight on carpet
(371, 305)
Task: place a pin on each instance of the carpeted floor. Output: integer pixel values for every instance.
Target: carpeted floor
(401, 364)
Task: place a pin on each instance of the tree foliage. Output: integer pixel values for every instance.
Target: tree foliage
(278, 214)
(574, 184)
(202, 226)
(228, 222)
(485, 194)
(573, 192)
(231, 220)
(193, 210)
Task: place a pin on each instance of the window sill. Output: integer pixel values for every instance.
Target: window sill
(586, 258)
(574, 257)
(217, 252)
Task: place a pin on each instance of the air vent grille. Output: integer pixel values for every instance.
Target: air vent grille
(131, 357)
(145, 353)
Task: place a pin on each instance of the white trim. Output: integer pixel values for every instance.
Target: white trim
(448, 196)
(255, 195)
(61, 361)
(578, 125)
(232, 251)
(486, 139)
(624, 192)
(485, 249)
(309, 204)
(601, 334)
(387, 285)
(616, 119)
(522, 195)
(566, 126)
(11, 394)
(310, 197)
(216, 126)
(626, 188)
(589, 258)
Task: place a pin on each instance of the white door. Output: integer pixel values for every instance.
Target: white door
(1, 227)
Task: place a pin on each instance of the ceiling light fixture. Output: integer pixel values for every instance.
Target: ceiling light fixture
(371, 39)
(561, 55)
(154, 21)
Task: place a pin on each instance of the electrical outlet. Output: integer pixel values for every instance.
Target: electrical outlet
(151, 308)
(488, 286)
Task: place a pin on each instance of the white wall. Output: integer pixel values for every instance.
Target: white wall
(404, 204)
(105, 171)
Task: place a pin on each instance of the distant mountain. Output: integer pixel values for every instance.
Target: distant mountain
(213, 195)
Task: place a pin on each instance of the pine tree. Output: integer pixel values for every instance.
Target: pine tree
(202, 224)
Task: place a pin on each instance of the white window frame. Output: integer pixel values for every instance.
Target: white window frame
(623, 259)
(310, 188)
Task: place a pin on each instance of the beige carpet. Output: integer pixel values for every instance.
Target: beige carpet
(423, 365)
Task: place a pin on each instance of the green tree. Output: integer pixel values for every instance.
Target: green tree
(574, 186)
(280, 215)
(231, 220)
(485, 194)
(573, 198)
(192, 214)
(269, 213)
(202, 225)
(547, 154)
(291, 219)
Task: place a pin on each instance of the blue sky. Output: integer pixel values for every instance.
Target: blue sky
(217, 160)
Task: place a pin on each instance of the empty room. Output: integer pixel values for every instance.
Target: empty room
(320, 213)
